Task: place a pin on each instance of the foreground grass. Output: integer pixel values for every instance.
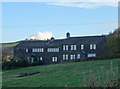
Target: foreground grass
(78, 74)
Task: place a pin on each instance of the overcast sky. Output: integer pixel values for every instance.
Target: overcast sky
(23, 19)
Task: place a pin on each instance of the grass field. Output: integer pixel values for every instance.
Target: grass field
(77, 74)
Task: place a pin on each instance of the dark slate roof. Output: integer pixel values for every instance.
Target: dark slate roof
(31, 43)
(85, 39)
(59, 42)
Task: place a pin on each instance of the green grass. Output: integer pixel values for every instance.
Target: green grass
(76, 74)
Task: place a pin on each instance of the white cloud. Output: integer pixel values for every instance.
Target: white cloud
(41, 36)
(60, 0)
(87, 4)
(74, 3)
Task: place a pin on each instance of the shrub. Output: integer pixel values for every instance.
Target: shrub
(37, 63)
(14, 64)
(6, 65)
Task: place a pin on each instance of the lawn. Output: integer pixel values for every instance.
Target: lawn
(77, 74)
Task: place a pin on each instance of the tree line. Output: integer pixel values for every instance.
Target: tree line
(111, 48)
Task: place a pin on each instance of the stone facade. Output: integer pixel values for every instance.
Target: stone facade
(59, 50)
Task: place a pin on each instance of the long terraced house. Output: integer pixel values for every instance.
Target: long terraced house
(59, 50)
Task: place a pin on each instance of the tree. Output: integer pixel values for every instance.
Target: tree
(112, 46)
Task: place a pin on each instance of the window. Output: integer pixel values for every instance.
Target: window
(33, 50)
(37, 50)
(78, 56)
(63, 57)
(66, 56)
(41, 58)
(91, 55)
(92, 46)
(26, 50)
(73, 47)
(53, 50)
(71, 56)
(32, 60)
(54, 59)
(82, 46)
(65, 47)
(28, 58)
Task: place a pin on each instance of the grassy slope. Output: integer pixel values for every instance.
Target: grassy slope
(75, 74)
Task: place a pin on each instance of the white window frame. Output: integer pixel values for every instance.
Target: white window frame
(66, 47)
(82, 46)
(94, 46)
(78, 56)
(66, 56)
(26, 50)
(72, 47)
(63, 56)
(53, 59)
(32, 60)
(71, 57)
(75, 47)
(91, 55)
(41, 58)
(91, 46)
(52, 49)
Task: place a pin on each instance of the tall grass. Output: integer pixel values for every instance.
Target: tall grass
(103, 78)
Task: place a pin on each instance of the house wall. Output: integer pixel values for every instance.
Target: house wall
(47, 57)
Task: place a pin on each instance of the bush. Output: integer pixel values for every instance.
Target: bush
(37, 63)
(14, 64)
(6, 65)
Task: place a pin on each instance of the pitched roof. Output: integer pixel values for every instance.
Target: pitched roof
(58, 42)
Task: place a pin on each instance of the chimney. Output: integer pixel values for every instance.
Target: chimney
(67, 35)
(52, 38)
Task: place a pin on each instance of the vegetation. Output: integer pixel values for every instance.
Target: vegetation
(7, 50)
(112, 46)
(96, 73)
(12, 64)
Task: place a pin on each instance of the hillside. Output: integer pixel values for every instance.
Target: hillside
(76, 74)
(7, 50)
